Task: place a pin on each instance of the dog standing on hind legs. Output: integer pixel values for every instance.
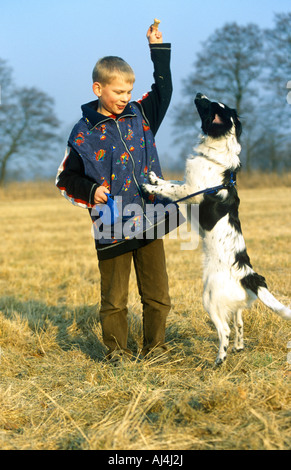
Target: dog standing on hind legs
(229, 282)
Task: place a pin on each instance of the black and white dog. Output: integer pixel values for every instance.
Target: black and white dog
(230, 283)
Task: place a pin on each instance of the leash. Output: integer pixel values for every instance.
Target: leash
(214, 190)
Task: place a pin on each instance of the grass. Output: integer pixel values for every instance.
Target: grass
(56, 390)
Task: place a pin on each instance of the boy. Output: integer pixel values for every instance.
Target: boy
(111, 150)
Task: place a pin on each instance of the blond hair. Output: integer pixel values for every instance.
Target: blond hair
(110, 67)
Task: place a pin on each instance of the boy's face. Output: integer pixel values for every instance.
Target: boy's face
(113, 97)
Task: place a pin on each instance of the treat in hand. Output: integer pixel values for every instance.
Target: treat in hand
(156, 23)
(153, 34)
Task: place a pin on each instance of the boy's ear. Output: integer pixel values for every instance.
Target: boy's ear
(97, 87)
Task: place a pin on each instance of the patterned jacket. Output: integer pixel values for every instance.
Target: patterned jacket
(118, 152)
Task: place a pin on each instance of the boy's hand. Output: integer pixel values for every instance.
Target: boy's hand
(154, 35)
(100, 195)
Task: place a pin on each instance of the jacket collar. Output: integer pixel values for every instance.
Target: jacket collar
(90, 112)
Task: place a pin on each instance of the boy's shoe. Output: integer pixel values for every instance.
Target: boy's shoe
(157, 355)
(118, 357)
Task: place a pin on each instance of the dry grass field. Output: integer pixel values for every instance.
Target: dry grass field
(56, 390)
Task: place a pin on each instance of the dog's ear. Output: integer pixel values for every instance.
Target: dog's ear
(237, 123)
(234, 111)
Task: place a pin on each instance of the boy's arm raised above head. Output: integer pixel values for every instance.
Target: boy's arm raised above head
(156, 102)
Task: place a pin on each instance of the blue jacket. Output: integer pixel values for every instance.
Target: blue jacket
(119, 152)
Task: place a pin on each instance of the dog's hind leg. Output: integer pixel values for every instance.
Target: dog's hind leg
(223, 331)
(238, 328)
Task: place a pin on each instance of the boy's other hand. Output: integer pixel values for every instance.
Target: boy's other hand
(154, 35)
(100, 195)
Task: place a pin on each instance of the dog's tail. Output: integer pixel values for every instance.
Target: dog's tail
(257, 284)
(270, 301)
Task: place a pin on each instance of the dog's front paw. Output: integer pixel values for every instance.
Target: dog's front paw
(153, 177)
(148, 188)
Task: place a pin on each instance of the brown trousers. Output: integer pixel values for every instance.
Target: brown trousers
(152, 280)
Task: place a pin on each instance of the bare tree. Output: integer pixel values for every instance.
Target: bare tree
(227, 69)
(279, 51)
(277, 109)
(28, 125)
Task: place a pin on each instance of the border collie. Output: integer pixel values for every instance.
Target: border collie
(230, 283)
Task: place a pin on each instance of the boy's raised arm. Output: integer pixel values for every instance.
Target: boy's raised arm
(156, 102)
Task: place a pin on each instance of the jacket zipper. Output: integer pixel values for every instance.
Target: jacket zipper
(133, 171)
(127, 149)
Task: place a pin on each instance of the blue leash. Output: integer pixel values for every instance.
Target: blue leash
(111, 216)
(214, 190)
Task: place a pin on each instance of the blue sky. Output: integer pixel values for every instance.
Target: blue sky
(54, 44)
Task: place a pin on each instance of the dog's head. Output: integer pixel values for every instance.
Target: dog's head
(217, 119)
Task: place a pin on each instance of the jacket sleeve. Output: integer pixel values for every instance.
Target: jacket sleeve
(72, 182)
(155, 103)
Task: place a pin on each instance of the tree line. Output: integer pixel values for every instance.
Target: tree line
(244, 66)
